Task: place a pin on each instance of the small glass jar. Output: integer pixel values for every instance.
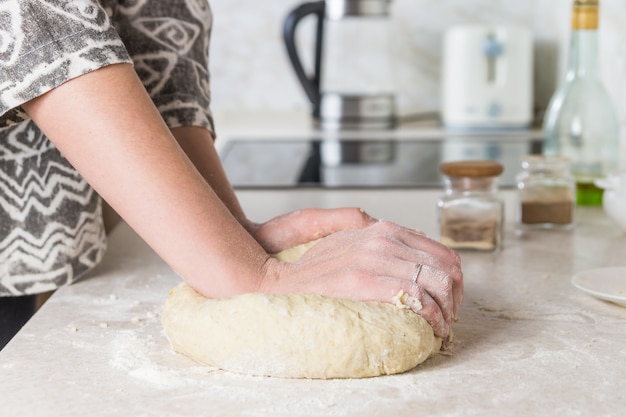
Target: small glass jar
(546, 193)
(471, 212)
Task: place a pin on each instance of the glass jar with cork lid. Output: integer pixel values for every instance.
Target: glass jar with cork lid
(471, 212)
(546, 193)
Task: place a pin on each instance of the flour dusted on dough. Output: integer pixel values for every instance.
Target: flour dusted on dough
(297, 335)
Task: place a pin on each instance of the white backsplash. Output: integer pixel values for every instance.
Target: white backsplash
(250, 69)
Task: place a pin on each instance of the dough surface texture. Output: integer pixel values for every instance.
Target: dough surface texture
(297, 335)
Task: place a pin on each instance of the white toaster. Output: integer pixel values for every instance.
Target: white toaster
(487, 77)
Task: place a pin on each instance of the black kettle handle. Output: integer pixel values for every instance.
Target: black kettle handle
(311, 84)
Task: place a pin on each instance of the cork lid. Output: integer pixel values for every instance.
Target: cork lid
(471, 168)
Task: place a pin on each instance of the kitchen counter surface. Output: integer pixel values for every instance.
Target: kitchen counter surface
(527, 343)
(298, 124)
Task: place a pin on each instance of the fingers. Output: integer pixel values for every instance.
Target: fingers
(427, 303)
(436, 286)
(328, 221)
(430, 295)
(442, 280)
(441, 275)
(419, 241)
(423, 304)
(306, 225)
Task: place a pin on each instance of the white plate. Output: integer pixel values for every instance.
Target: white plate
(605, 283)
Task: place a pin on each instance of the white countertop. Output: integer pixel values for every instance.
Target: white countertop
(298, 124)
(528, 342)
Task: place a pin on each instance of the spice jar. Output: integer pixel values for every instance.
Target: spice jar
(546, 193)
(471, 212)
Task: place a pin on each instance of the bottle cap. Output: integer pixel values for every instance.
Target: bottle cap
(585, 14)
(477, 168)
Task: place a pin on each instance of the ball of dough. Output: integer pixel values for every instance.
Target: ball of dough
(297, 335)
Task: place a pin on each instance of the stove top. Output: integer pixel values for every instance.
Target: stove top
(366, 163)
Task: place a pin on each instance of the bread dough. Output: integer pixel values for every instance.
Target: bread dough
(297, 335)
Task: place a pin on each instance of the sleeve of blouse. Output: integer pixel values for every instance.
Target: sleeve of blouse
(169, 44)
(44, 43)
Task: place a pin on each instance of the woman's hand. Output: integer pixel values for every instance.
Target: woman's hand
(306, 225)
(375, 263)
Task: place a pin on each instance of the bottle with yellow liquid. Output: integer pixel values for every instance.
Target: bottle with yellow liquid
(581, 121)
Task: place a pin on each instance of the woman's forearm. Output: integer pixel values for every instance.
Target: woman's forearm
(107, 127)
(198, 144)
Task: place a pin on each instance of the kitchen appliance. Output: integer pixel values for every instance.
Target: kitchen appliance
(487, 77)
(350, 85)
(380, 160)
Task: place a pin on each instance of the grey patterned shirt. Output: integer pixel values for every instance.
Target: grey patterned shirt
(51, 229)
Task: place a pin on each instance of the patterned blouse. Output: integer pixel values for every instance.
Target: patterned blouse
(51, 229)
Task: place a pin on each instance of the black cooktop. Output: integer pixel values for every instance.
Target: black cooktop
(366, 163)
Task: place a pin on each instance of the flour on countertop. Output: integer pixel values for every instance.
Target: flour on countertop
(133, 354)
(149, 361)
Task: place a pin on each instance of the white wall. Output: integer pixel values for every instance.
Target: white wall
(250, 70)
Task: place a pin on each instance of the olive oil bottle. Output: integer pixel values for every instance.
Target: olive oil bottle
(581, 121)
